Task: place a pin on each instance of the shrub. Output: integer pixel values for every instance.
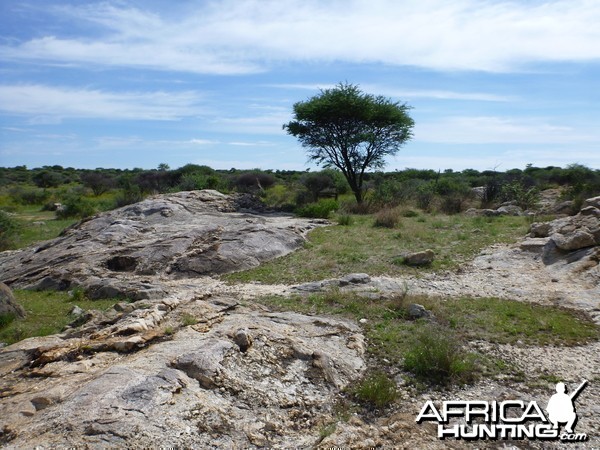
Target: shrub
(377, 390)
(437, 357)
(345, 220)
(387, 218)
(8, 230)
(48, 178)
(451, 204)
(6, 319)
(131, 194)
(281, 197)
(28, 195)
(98, 182)
(76, 206)
(253, 181)
(315, 183)
(322, 209)
(517, 192)
(424, 196)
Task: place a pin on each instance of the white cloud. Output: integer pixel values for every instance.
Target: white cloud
(406, 94)
(252, 144)
(202, 142)
(500, 130)
(48, 104)
(245, 36)
(270, 124)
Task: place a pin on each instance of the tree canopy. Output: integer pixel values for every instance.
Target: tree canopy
(353, 131)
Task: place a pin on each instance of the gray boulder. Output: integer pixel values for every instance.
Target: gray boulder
(574, 241)
(540, 230)
(510, 210)
(595, 202)
(416, 311)
(423, 258)
(187, 234)
(8, 304)
(567, 207)
(590, 211)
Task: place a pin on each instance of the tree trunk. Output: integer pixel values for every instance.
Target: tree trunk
(357, 194)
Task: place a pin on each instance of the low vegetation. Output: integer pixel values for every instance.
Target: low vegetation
(376, 390)
(32, 195)
(48, 312)
(362, 247)
(435, 351)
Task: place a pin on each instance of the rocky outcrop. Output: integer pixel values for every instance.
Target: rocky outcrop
(187, 234)
(239, 377)
(572, 232)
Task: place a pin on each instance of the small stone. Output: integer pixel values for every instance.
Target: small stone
(41, 402)
(243, 339)
(423, 258)
(355, 278)
(77, 311)
(416, 311)
(363, 320)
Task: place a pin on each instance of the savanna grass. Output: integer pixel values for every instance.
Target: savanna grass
(338, 250)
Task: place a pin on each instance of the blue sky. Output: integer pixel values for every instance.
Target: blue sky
(135, 83)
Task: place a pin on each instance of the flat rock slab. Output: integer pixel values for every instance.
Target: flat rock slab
(187, 234)
(199, 389)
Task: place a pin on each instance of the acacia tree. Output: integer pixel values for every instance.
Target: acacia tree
(345, 128)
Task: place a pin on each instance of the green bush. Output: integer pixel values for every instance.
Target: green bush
(8, 230)
(437, 357)
(28, 195)
(281, 197)
(377, 390)
(525, 197)
(322, 209)
(76, 206)
(424, 196)
(131, 194)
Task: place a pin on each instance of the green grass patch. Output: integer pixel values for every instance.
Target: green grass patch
(435, 352)
(435, 355)
(338, 250)
(376, 390)
(48, 312)
(509, 321)
(36, 226)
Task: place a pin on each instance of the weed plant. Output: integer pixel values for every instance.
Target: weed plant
(345, 220)
(376, 390)
(436, 356)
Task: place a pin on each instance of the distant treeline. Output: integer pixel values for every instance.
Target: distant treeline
(448, 190)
